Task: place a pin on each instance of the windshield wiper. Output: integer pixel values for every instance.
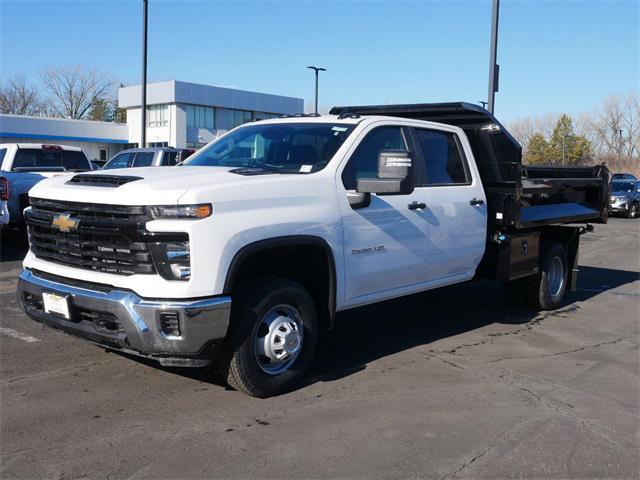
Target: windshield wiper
(252, 171)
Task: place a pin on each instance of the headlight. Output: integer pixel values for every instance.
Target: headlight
(172, 259)
(193, 212)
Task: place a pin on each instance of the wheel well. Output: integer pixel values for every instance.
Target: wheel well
(310, 264)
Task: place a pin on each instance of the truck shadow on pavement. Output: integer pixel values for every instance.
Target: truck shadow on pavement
(366, 334)
(369, 333)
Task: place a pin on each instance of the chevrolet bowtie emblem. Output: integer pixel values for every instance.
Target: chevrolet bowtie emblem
(64, 222)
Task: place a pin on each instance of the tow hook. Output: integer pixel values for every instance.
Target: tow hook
(588, 228)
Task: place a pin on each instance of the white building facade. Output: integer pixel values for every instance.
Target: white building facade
(99, 140)
(179, 114)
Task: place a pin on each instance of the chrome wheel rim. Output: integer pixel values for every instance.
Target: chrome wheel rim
(278, 339)
(556, 276)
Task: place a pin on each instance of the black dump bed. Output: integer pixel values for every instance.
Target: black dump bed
(519, 196)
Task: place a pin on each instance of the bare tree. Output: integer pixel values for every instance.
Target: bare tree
(615, 126)
(612, 130)
(523, 130)
(17, 96)
(546, 123)
(73, 89)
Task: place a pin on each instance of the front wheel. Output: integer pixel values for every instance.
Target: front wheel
(633, 211)
(272, 340)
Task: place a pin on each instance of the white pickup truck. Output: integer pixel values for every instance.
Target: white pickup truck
(238, 257)
(22, 165)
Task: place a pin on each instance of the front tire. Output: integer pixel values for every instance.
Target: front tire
(272, 340)
(633, 211)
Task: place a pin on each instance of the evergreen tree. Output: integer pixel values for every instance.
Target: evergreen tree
(565, 146)
(100, 110)
(537, 149)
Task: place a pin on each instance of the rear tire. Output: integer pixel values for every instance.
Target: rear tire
(272, 340)
(546, 289)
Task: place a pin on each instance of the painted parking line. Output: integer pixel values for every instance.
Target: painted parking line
(19, 335)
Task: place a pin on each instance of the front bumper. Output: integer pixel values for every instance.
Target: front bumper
(624, 208)
(121, 320)
(619, 205)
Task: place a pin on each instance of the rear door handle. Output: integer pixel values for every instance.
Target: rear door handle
(476, 201)
(417, 206)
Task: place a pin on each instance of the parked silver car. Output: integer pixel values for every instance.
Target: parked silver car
(625, 198)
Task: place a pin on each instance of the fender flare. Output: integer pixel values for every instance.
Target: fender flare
(287, 241)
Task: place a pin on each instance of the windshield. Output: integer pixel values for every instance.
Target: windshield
(275, 148)
(622, 187)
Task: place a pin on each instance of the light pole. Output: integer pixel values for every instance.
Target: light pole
(143, 115)
(564, 140)
(494, 68)
(620, 146)
(317, 69)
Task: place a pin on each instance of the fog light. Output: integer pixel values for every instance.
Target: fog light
(172, 259)
(181, 271)
(170, 324)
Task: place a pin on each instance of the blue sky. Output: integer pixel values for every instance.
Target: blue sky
(554, 56)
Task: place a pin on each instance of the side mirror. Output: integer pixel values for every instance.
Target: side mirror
(395, 175)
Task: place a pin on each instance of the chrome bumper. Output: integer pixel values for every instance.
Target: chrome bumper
(618, 208)
(121, 320)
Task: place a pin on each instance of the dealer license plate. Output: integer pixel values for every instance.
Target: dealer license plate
(54, 303)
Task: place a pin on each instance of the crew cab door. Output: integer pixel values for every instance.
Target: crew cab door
(456, 205)
(385, 241)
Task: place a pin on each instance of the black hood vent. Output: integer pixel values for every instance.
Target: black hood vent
(112, 181)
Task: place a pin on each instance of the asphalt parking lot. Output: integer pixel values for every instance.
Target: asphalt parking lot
(446, 384)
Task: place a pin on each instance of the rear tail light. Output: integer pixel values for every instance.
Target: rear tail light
(4, 189)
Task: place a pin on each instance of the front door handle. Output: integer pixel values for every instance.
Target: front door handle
(476, 201)
(417, 206)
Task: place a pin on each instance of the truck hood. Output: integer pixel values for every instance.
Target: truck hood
(144, 186)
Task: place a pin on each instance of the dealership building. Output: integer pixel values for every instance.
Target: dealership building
(179, 114)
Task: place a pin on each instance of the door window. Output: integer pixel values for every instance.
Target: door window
(364, 161)
(143, 159)
(169, 158)
(443, 160)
